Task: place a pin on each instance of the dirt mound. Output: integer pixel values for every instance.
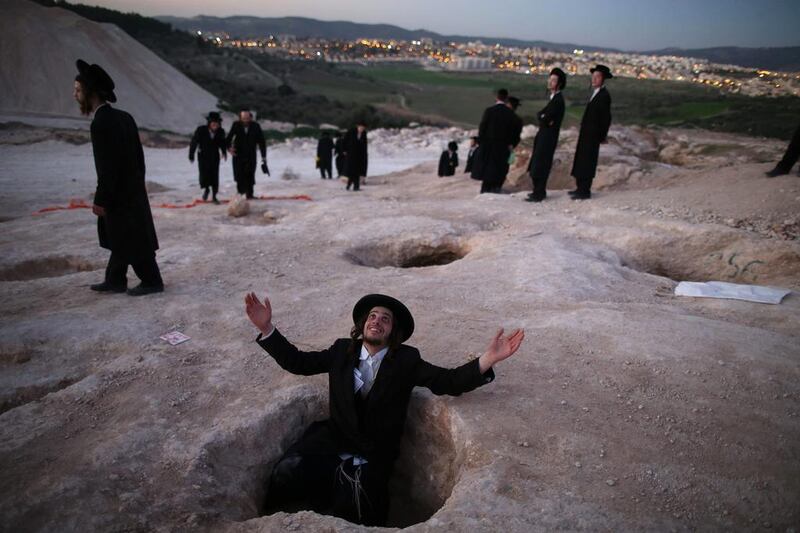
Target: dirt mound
(38, 49)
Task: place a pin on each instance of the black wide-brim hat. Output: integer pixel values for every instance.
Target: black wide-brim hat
(402, 316)
(604, 69)
(213, 116)
(96, 79)
(562, 76)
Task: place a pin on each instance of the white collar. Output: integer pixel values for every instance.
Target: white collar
(377, 358)
(98, 107)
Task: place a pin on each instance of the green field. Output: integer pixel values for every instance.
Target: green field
(390, 95)
(461, 98)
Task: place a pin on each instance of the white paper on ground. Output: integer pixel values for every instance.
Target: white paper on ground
(731, 291)
(175, 337)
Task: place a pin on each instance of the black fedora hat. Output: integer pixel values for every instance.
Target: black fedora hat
(562, 77)
(213, 116)
(402, 316)
(604, 69)
(97, 79)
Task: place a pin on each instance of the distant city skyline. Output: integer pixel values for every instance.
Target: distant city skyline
(624, 24)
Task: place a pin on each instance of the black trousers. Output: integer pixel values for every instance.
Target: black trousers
(244, 173)
(539, 186)
(355, 182)
(325, 168)
(327, 484)
(792, 153)
(144, 266)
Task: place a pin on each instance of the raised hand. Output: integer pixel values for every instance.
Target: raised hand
(259, 314)
(501, 348)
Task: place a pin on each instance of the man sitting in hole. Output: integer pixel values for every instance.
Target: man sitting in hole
(341, 466)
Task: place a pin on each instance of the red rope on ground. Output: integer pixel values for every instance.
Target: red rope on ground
(80, 204)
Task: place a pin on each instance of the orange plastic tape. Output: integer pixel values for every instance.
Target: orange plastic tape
(80, 204)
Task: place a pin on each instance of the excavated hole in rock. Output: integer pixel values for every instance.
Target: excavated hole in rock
(47, 267)
(407, 254)
(711, 256)
(24, 395)
(234, 468)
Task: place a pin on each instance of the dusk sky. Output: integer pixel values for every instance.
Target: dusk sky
(623, 24)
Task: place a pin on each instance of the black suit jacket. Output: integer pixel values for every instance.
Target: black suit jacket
(499, 128)
(594, 129)
(127, 226)
(544, 145)
(447, 163)
(375, 435)
(245, 144)
(355, 148)
(325, 150)
(210, 149)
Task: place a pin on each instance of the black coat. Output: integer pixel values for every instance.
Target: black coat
(448, 162)
(546, 140)
(355, 150)
(594, 130)
(325, 151)
(499, 129)
(470, 159)
(209, 150)
(338, 151)
(245, 146)
(127, 227)
(375, 435)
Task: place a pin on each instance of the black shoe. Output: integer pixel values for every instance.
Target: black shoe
(107, 287)
(573, 192)
(535, 199)
(142, 289)
(205, 195)
(581, 196)
(215, 200)
(775, 172)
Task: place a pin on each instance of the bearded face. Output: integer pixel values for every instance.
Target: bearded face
(378, 326)
(82, 97)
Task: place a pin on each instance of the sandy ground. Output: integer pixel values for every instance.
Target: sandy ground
(626, 408)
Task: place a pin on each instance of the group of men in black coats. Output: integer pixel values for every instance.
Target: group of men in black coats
(350, 153)
(243, 142)
(500, 129)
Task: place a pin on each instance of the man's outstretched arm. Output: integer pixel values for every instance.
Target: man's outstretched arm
(501, 348)
(285, 353)
(471, 375)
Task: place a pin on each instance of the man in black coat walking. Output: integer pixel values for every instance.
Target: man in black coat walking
(338, 152)
(448, 161)
(594, 131)
(325, 155)
(244, 139)
(354, 149)
(473, 148)
(341, 466)
(124, 221)
(209, 142)
(546, 140)
(495, 142)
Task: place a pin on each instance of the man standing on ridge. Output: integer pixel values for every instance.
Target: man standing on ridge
(594, 132)
(495, 142)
